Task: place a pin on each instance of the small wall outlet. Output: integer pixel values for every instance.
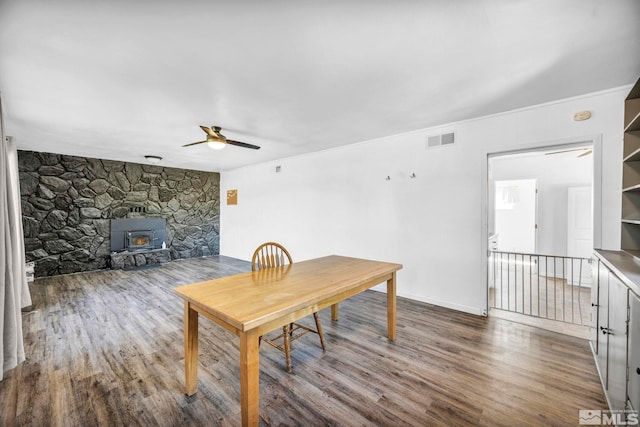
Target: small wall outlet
(30, 270)
(278, 169)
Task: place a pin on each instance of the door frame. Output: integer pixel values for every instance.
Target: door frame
(594, 140)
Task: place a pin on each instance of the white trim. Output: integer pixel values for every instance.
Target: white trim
(446, 304)
(597, 191)
(464, 308)
(484, 226)
(442, 128)
(548, 103)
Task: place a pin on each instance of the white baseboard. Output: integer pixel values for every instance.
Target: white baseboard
(446, 304)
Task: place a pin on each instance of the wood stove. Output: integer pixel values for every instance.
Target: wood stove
(137, 234)
(140, 239)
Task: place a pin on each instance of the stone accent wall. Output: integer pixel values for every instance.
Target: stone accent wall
(68, 202)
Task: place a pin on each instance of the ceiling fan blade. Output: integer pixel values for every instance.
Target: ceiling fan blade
(586, 153)
(194, 143)
(207, 130)
(565, 151)
(242, 144)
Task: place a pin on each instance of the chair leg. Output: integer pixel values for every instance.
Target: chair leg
(287, 346)
(319, 329)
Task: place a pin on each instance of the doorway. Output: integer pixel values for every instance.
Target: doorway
(540, 231)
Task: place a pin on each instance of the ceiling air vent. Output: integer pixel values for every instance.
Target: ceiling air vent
(440, 140)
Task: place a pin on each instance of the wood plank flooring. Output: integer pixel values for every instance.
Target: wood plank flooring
(106, 349)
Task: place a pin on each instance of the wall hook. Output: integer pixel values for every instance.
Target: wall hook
(388, 178)
(413, 175)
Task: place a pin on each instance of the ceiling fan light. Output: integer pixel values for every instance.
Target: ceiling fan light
(153, 159)
(216, 145)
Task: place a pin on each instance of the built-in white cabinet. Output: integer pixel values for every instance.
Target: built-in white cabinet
(609, 333)
(634, 352)
(615, 291)
(616, 334)
(600, 319)
(615, 326)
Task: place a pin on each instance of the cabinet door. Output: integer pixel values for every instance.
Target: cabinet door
(617, 337)
(603, 321)
(634, 352)
(595, 330)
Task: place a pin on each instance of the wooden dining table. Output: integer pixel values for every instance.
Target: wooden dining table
(254, 303)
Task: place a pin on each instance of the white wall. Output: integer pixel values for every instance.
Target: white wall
(338, 201)
(515, 218)
(555, 174)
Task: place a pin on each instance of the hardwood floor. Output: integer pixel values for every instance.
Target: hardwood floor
(106, 348)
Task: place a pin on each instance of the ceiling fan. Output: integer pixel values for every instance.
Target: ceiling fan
(586, 150)
(218, 141)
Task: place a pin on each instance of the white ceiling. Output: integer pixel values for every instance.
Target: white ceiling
(119, 79)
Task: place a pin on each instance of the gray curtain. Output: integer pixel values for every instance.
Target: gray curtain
(14, 290)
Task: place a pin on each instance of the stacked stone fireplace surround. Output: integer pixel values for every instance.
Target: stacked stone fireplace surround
(68, 203)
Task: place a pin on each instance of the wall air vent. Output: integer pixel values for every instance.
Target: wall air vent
(440, 140)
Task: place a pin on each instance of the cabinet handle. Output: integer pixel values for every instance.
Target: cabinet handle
(638, 371)
(593, 304)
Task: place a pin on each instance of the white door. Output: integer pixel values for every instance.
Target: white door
(515, 215)
(579, 234)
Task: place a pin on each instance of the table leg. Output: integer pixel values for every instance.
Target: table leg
(391, 306)
(334, 311)
(190, 349)
(249, 378)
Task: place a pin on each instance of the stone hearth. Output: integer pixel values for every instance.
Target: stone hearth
(129, 260)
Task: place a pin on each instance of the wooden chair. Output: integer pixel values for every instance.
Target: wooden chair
(269, 255)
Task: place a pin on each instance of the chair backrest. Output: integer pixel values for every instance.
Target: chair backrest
(268, 255)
